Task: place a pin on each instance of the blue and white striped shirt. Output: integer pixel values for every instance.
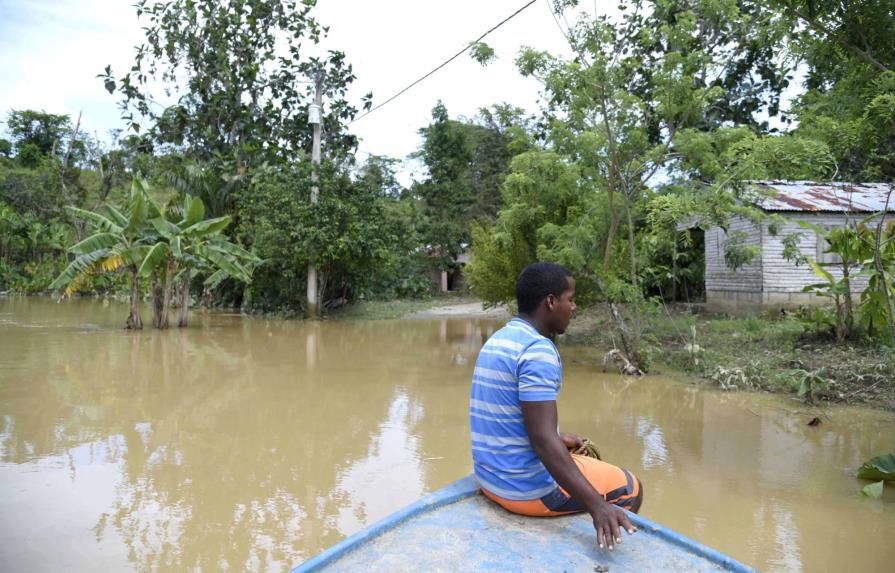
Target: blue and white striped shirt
(516, 364)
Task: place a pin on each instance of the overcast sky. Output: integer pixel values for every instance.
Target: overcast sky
(51, 52)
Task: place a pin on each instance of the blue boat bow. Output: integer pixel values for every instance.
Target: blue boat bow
(457, 529)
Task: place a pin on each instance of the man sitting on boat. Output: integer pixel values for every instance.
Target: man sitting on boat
(520, 459)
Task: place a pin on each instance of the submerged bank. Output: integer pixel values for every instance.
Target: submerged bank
(755, 353)
(764, 354)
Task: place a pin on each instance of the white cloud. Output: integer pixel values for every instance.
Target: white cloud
(52, 52)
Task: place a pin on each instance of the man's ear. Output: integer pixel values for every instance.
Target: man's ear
(550, 302)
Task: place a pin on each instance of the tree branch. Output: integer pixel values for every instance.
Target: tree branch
(831, 35)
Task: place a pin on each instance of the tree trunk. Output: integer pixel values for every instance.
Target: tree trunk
(184, 299)
(156, 300)
(134, 322)
(169, 288)
(630, 339)
(880, 267)
(632, 245)
(840, 322)
(613, 226)
(849, 306)
(674, 287)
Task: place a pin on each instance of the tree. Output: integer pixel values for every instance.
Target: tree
(36, 133)
(192, 243)
(848, 53)
(467, 162)
(5, 147)
(119, 240)
(344, 232)
(495, 137)
(731, 46)
(547, 215)
(238, 73)
(446, 195)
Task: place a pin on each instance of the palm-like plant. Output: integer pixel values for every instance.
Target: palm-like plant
(119, 240)
(193, 243)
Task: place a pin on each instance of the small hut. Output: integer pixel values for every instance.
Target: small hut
(770, 282)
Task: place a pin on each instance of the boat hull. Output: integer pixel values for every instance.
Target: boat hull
(457, 529)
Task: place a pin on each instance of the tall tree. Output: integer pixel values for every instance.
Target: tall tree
(446, 194)
(36, 133)
(238, 73)
(467, 161)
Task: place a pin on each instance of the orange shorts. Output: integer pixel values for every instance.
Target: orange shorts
(616, 485)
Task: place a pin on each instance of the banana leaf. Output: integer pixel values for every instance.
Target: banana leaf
(225, 263)
(138, 213)
(879, 468)
(116, 216)
(101, 222)
(874, 490)
(193, 210)
(165, 228)
(153, 259)
(135, 255)
(176, 247)
(208, 226)
(78, 267)
(821, 272)
(95, 243)
(215, 279)
(233, 249)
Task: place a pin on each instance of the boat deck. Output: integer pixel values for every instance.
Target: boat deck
(458, 529)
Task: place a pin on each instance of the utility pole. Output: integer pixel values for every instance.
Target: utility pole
(315, 117)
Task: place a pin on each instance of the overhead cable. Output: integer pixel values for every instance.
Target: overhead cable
(446, 62)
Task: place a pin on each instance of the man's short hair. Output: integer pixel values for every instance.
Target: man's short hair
(538, 280)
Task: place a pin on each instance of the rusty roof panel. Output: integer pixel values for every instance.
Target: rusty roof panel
(823, 197)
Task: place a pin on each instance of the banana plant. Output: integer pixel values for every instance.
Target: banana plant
(845, 242)
(876, 312)
(118, 240)
(193, 243)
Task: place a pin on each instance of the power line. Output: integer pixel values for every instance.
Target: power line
(446, 62)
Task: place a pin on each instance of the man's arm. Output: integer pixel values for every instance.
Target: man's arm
(541, 422)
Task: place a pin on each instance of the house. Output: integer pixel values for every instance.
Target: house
(770, 282)
(447, 281)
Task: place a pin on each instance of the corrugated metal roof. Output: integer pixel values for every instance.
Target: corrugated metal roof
(823, 197)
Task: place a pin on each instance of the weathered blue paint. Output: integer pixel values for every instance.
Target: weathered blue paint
(458, 529)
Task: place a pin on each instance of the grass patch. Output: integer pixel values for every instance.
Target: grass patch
(771, 354)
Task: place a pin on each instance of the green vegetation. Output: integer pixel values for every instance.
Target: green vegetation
(684, 89)
(881, 468)
(779, 354)
(237, 139)
(144, 240)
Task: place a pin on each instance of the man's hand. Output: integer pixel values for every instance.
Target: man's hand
(609, 520)
(571, 441)
(552, 449)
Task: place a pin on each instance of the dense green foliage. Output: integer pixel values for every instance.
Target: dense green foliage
(50, 165)
(661, 118)
(658, 120)
(147, 240)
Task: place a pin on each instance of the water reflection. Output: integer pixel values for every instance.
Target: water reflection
(248, 444)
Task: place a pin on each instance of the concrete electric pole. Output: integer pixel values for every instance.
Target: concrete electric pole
(315, 118)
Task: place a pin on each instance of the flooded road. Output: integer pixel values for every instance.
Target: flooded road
(247, 444)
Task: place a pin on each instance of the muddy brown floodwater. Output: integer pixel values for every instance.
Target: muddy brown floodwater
(246, 444)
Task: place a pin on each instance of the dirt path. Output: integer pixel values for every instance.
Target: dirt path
(465, 310)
